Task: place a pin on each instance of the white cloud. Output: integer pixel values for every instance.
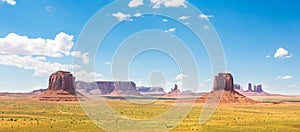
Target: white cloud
(208, 80)
(82, 75)
(40, 65)
(285, 77)
(50, 8)
(282, 53)
(138, 14)
(165, 20)
(205, 17)
(181, 77)
(14, 44)
(10, 2)
(168, 3)
(107, 63)
(85, 58)
(171, 30)
(135, 3)
(268, 56)
(122, 17)
(186, 23)
(184, 17)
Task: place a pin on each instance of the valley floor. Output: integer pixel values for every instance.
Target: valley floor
(28, 114)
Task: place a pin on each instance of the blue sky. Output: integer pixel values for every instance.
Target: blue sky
(260, 41)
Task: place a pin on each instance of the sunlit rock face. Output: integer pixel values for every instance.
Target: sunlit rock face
(224, 81)
(60, 88)
(62, 80)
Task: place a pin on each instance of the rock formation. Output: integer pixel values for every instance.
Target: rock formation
(155, 91)
(60, 88)
(62, 80)
(249, 87)
(224, 81)
(108, 87)
(256, 91)
(258, 88)
(237, 86)
(224, 90)
(174, 91)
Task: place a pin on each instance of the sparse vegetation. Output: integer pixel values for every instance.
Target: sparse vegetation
(19, 114)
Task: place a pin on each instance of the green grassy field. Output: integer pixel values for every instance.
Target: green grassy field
(19, 114)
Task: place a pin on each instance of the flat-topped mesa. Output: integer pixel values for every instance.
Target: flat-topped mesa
(62, 80)
(224, 81)
(109, 87)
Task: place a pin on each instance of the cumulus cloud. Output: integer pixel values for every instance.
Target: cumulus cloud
(135, 3)
(208, 80)
(181, 77)
(40, 65)
(122, 16)
(184, 17)
(285, 77)
(138, 14)
(168, 3)
(107, 63)
(14, 44)
(10, 2)
(171, 30)
(282, 53)
(82, 75)
(205, 17)
(85, 58)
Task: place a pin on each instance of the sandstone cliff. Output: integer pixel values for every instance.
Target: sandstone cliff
(60, 88)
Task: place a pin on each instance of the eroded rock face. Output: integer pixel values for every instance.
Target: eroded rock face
(62, 80)
(107, 87)
(60, 88)
(224, 81)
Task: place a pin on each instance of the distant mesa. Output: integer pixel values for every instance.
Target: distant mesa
(60, 88)
(152, 91)
(109, 88)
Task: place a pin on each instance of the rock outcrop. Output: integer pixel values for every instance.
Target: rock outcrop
(62, 80)
(224, 81)
(60, 88)
(174, 91)
(224, 90)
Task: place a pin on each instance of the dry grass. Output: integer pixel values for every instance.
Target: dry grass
(19, 114)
